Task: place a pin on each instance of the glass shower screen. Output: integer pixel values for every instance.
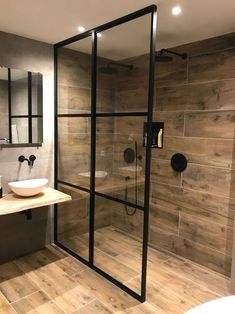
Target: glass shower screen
(104, 95)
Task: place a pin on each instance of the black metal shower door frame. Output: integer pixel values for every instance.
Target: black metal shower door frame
(93, 115)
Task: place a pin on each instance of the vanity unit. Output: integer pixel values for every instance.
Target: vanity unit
(12, 203)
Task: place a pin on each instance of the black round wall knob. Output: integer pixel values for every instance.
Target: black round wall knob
(179, 162)
(129, 155)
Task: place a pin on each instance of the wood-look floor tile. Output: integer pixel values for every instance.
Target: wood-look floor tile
(143, 308)
(74, 298)
(14, 284)
(180, 285)
(114, 267)
(61, 288)
(38, 303)
(78, 245)
(5, 307)
(205, 278)
(133, 258)
(112, 241)
(95, 307)
(167, 301)
(53, 276)
(107, 293)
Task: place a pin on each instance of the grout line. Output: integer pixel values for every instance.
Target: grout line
(7, 302)
(40, 288)
(26, 296)
(200, 285)
(83, 306)
(181, 84)
(79, 272)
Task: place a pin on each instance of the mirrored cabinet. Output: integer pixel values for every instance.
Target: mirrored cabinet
(21, 107)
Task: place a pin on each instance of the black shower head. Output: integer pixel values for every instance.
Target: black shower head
(114, 67)
(161, 57)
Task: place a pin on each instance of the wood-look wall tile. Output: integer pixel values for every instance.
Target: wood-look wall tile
(207, 233)
(171, 73)
(73, 68)
(160, 238)
(202, 205)
(216, 124)
(173, 122)
(129, 125)
(214, 152)
(132, 100)
(164, 218)
(199, 96)
(133, 79)
(213, 180)
(218, 65)
(162, 172)
(203, 255)
(208, 45)
(73, 99)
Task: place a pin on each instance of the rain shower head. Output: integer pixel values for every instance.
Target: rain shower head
(114, 68)
(161, 57)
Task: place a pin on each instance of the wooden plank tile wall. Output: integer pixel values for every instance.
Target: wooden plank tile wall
(191, 213)
(199, 204)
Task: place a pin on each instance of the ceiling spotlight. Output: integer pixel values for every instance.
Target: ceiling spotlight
(81, 29)
(176, 10)
(99, 35)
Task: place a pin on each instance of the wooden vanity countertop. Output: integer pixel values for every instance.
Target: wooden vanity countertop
(11, 203)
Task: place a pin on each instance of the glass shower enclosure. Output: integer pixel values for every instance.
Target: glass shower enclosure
(101, 158)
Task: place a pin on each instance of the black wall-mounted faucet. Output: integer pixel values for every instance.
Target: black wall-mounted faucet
(30, 161)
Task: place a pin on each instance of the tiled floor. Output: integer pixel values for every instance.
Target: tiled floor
(50, 281)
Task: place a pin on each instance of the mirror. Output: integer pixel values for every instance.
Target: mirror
(21, 109)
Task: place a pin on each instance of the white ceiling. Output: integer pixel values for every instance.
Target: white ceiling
(54, 20)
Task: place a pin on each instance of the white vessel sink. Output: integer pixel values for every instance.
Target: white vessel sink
(99, 175)
(129, 170)
(28, 187)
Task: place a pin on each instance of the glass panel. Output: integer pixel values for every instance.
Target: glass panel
(19, 130)
(4, 126)
(36, 94)
(120, 158)
(118, 241)
(123, 67)
(74, 150)
(19, 92)
(37, 130)
(73, 221)
(74, 76)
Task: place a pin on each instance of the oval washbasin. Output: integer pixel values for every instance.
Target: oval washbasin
(131, 168)
(130, 171)
(28, 187)
(98, 174)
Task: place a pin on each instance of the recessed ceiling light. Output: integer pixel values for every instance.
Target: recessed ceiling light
(81, 29)
(176, 10)
(99, 35)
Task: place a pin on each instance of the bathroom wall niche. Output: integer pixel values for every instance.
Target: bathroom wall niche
(21, 116)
